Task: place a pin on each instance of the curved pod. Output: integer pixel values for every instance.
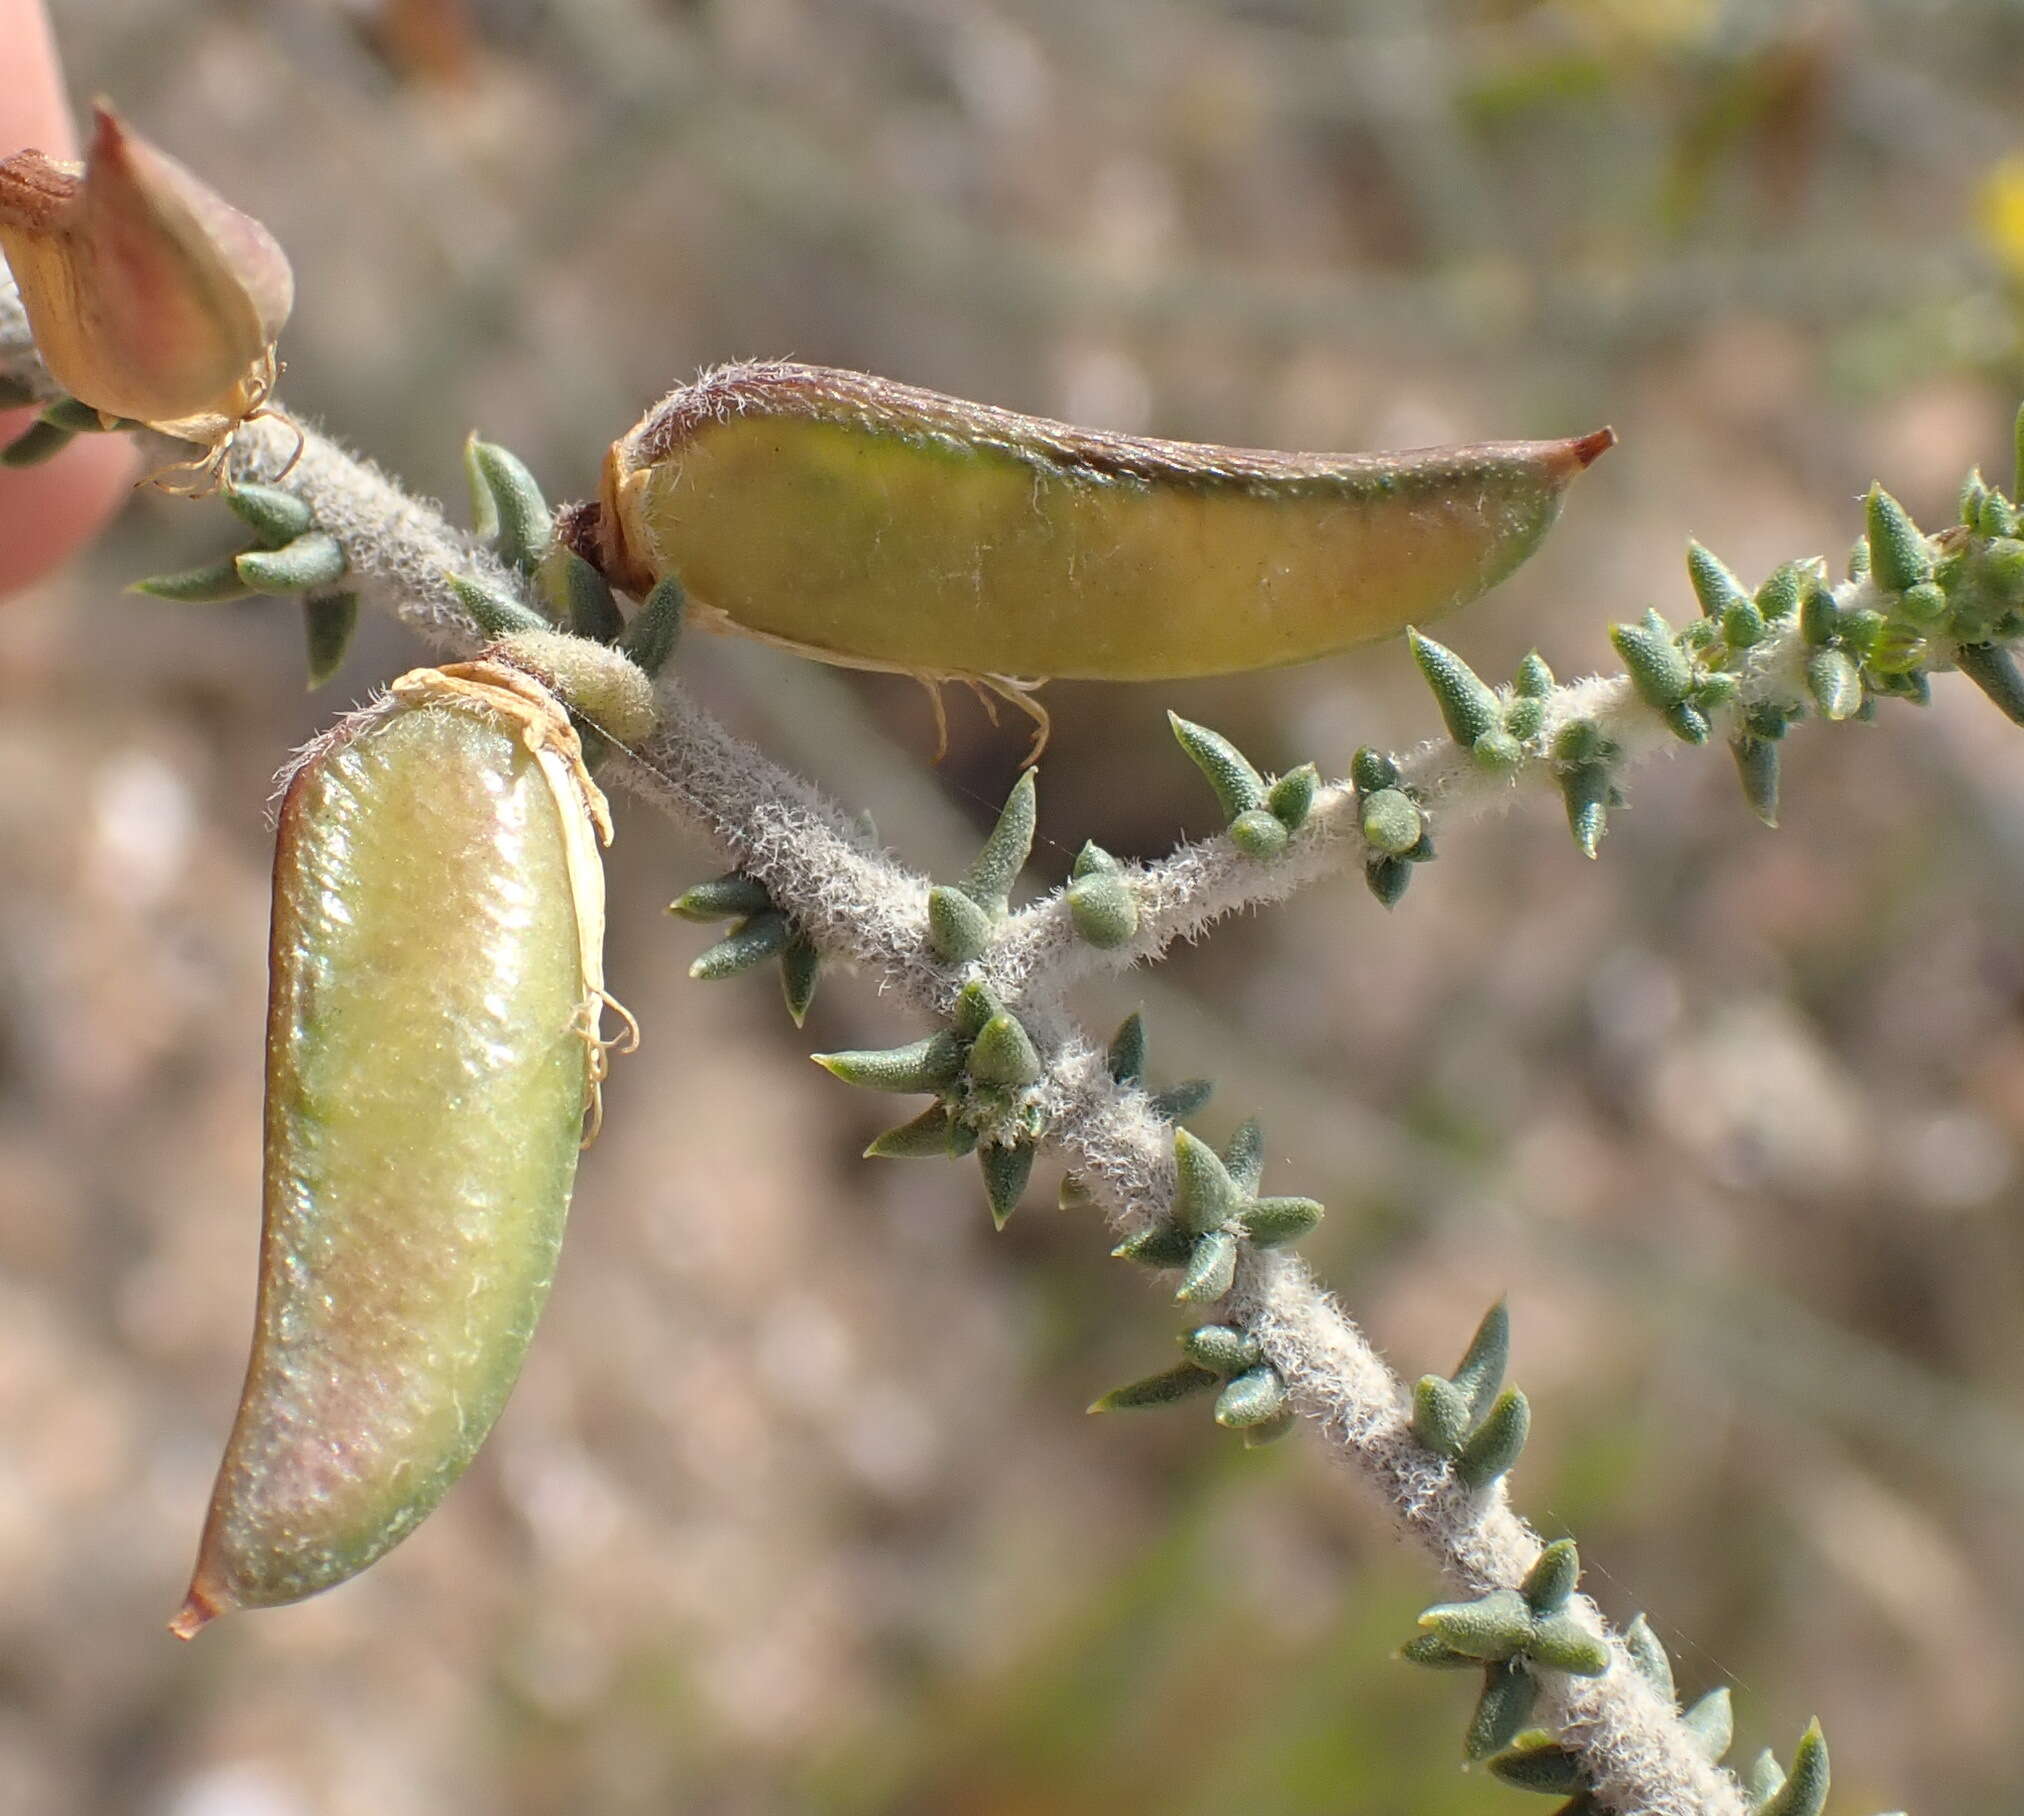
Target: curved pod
(877, 525)
(436, 978)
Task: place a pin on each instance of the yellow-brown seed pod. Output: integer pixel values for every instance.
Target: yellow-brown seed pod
(881, 526)
(437, 976)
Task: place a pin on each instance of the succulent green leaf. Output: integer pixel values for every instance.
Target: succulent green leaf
(1176, 1383)
(1688, 723)
(1211, 1270)
(1178, 1102)
(1994, 670)
(1804, 1792)
(1223, 1348)
(1835, 683)
(1715, 587)
(1275, 1222)
(1255, 1397)
(1239, 787)
(1259, 834)
(1481, 1371)
(800, 972)
(958, 929)
(1650, 1657)
(1551, 1579)
(1898, 555)
(312, 560)
(1493, 1626)
(1387, 880)
(1469, 707)
(1370, 769)
(1205, 1196)
(1659, 671)
(1291, 798)
(1435, 1654)
(1006, 1170)
(1782, 590)
(274, 516)
(1509, 1692)
(1269, 1431)
(1765, 1779)
(1104, 909)
(1924, 605)
(655, 630)
(328, 620)
(990, 880)
(722, 897)
(1392, 822)
(1127, 1056)
(750, 943)
(1534, 680)
(495, 613)
(1498, 753)
(1586, 789)
(1712, 1722)
(484, 506)
(1562, 1644)
(1440, 1415)
(1743, 625)
(1161, 1244)
(923, 1065)
(506, 497)
(41, 440)
(577, 596)
(1093, 860)
(211, 584)
(1003, 1054)
(1538, 1762)
(1495, 1444)
(927, 1137)
(1819, 616)
(1524, 717)
(1244, 1156)
(975, 1004)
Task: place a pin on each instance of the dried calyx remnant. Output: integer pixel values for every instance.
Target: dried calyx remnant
(153, 300)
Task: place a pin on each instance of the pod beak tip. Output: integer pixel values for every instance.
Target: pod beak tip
(197, 1613)
(1588, 449)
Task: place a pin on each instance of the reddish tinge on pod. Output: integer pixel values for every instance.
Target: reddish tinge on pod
(151, 298)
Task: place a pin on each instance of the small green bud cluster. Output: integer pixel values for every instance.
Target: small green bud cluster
(1261, 816)
(981, 1069)
(1471, 1417)
(1251, 1395)
(1394, 829)
(1215, 1208)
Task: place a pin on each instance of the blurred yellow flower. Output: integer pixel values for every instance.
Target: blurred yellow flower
(2000, 211)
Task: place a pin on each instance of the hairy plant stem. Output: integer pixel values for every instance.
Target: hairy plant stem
(856, 903)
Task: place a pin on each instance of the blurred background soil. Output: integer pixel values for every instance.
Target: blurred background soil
(796, 1508)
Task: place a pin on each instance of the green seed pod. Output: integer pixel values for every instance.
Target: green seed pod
(432, 1048)
(876, 525)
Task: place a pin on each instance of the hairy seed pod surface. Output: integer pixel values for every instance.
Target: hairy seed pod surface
(436, 982)
(881, 526)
